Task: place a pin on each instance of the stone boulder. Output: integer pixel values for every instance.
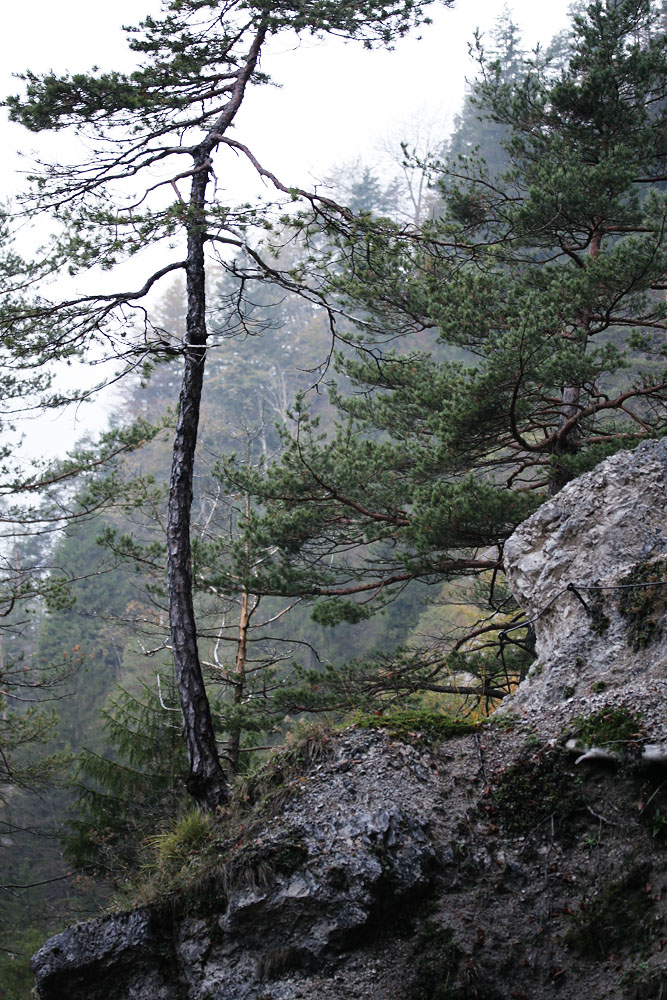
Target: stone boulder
(603, 641)
(353, 847)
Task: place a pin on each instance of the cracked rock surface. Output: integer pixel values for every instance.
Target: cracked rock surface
(487, 864)
(606, 529)
(359, 838)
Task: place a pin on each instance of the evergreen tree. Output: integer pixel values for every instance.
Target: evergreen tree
(361, 189)
(59, 657)
(550, 281)
(126, 796)
(175, 110)
(475, 133)
(248, 642)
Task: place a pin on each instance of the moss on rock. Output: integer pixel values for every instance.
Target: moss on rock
(644, 606)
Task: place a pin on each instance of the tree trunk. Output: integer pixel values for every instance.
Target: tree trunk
(569, 444)
(239, 679)
(206, 780)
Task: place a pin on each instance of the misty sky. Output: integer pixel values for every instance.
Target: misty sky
(335, 104)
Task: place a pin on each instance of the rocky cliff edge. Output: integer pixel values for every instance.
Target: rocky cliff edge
(488, 864)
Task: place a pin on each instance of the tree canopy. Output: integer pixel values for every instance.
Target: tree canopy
(543, 288)
(196, 61)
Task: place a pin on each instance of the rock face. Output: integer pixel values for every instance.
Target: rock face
(355, 843)
(120, 956)
(607, 529)
(477, 868)
(480, 867)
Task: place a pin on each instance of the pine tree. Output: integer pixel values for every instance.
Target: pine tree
(475, 133)
(127, 793)
(548, 281)
(175, 110)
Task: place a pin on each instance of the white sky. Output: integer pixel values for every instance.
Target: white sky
(335, 101)
(335, 104)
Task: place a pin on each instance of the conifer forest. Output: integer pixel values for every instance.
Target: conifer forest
(331, 407)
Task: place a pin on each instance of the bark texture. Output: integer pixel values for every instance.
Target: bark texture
(206, 780)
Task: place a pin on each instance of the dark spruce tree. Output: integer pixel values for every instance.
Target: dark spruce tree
(124, 797)
(176, 110)
(546, 287)
(475, 133)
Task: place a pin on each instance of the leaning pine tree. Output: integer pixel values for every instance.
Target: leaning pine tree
(546, 284)
(159, 133)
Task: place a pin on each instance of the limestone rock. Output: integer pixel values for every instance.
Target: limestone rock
(353, 844)
(396, 869)
(459, 867)
(606, 529)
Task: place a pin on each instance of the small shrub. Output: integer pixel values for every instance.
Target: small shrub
(537, 787)
(616, 728)
(599, 619)
(658, 825)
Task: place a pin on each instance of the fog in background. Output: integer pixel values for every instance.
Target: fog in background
(336, 104)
